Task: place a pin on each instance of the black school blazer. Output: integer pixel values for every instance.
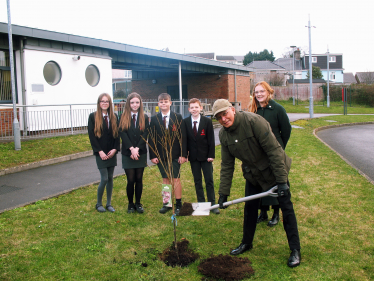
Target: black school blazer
(155, 128)
(106, 142)
(135, 137)
(201, 147)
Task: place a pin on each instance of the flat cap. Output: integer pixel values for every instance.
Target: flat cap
(220, 105)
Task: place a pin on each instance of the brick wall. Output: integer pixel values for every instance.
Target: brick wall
(199, 86)
(6, 122)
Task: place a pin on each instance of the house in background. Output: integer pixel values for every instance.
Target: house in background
(292, 65)
(270, 72)
(335, 66)
(231, 59)
(365, 77)
(349, 79)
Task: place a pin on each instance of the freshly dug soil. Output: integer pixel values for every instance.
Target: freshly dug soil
(225, 267)
(183, 258)
(186, 209)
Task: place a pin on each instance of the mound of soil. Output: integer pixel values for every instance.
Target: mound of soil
(225, 267)
(186, 209)
(183, 258)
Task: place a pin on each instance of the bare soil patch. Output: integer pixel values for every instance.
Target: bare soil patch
(186, 209)
(225, 267)
(182, 258)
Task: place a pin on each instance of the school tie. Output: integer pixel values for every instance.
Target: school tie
(194, 128)
(134, 119)
(165, 122)
(106, 120)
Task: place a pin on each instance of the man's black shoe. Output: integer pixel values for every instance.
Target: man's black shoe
(241, 249)
(294, 259)
(274, 220)
(262, 217)
(164, 209)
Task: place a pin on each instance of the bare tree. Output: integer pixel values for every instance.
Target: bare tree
(166, 140)
(275, 79)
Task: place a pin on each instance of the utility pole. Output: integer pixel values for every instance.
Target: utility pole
(293, 74)
(310, 71)
(16, 130)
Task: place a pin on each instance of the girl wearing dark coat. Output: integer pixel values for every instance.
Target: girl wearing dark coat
(105, 142)
(275, 114)
(133, 129)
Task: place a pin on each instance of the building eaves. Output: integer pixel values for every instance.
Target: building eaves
(75, 39)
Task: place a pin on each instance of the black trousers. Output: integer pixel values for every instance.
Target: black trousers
(250, 217)
(207, 168)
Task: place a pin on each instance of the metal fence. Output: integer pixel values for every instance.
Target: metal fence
(39, 121)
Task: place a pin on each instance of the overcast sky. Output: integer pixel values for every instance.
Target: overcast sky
(224, 27)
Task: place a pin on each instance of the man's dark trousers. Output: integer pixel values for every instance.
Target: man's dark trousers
(207, 167)
(251, 212)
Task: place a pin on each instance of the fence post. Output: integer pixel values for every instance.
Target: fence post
(71, 120)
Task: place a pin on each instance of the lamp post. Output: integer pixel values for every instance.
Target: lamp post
(16, 129)
(328, 77)
(293, 74)
(310, 71)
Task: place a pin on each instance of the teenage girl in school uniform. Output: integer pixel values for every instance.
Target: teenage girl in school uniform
(105, 142)
(133, 129)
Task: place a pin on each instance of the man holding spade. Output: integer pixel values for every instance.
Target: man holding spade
(248, 137)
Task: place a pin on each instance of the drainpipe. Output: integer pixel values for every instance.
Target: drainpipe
(23, 86)
(180, 87)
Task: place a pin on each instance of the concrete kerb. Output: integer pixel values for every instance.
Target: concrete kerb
(45, 163)
(341, 156)
(59, 193)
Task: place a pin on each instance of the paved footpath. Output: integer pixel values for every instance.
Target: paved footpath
(30, 185)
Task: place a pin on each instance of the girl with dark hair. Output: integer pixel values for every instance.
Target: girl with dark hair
(133, 129)
(264, 105)
(105, 142)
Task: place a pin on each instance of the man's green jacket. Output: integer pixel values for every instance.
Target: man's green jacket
(250, 139)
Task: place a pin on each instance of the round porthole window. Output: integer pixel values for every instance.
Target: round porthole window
(52, 73)
(92, 75)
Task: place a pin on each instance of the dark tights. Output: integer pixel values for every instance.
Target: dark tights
(134, 178)
(106, 180)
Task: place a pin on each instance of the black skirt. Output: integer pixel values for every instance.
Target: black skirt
(101, 164)
(128, 163)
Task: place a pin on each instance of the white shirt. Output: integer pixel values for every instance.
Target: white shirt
(167, 118)
(197, 124)
(108, 118)
(136, 116)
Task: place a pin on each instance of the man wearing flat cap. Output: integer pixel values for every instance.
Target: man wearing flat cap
(248, 137)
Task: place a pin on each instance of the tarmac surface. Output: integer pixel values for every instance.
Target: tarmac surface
(30, 185)
(355, 144)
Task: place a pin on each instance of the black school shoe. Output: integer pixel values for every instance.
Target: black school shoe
(164, 209)
(131, 208)
(139, 208)
(262, 217)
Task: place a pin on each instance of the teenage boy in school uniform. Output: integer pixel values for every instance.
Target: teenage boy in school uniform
(173, 123)
(201, 151)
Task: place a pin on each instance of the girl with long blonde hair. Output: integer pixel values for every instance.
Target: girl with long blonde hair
(105, 142)
(133, 129)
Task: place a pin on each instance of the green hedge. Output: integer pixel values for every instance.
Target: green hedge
(357, 93)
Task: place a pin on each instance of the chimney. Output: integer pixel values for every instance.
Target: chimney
(297, 54)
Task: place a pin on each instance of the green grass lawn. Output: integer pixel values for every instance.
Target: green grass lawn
(66, 238)
(321, 107)
(42, 149)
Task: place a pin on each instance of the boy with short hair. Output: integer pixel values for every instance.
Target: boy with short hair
(172, 123)
(201, 150)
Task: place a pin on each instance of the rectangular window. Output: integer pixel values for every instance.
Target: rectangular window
(332, 75)
(314, 59)
(332, 59)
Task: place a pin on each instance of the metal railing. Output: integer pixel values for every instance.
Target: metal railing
(40, 121)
